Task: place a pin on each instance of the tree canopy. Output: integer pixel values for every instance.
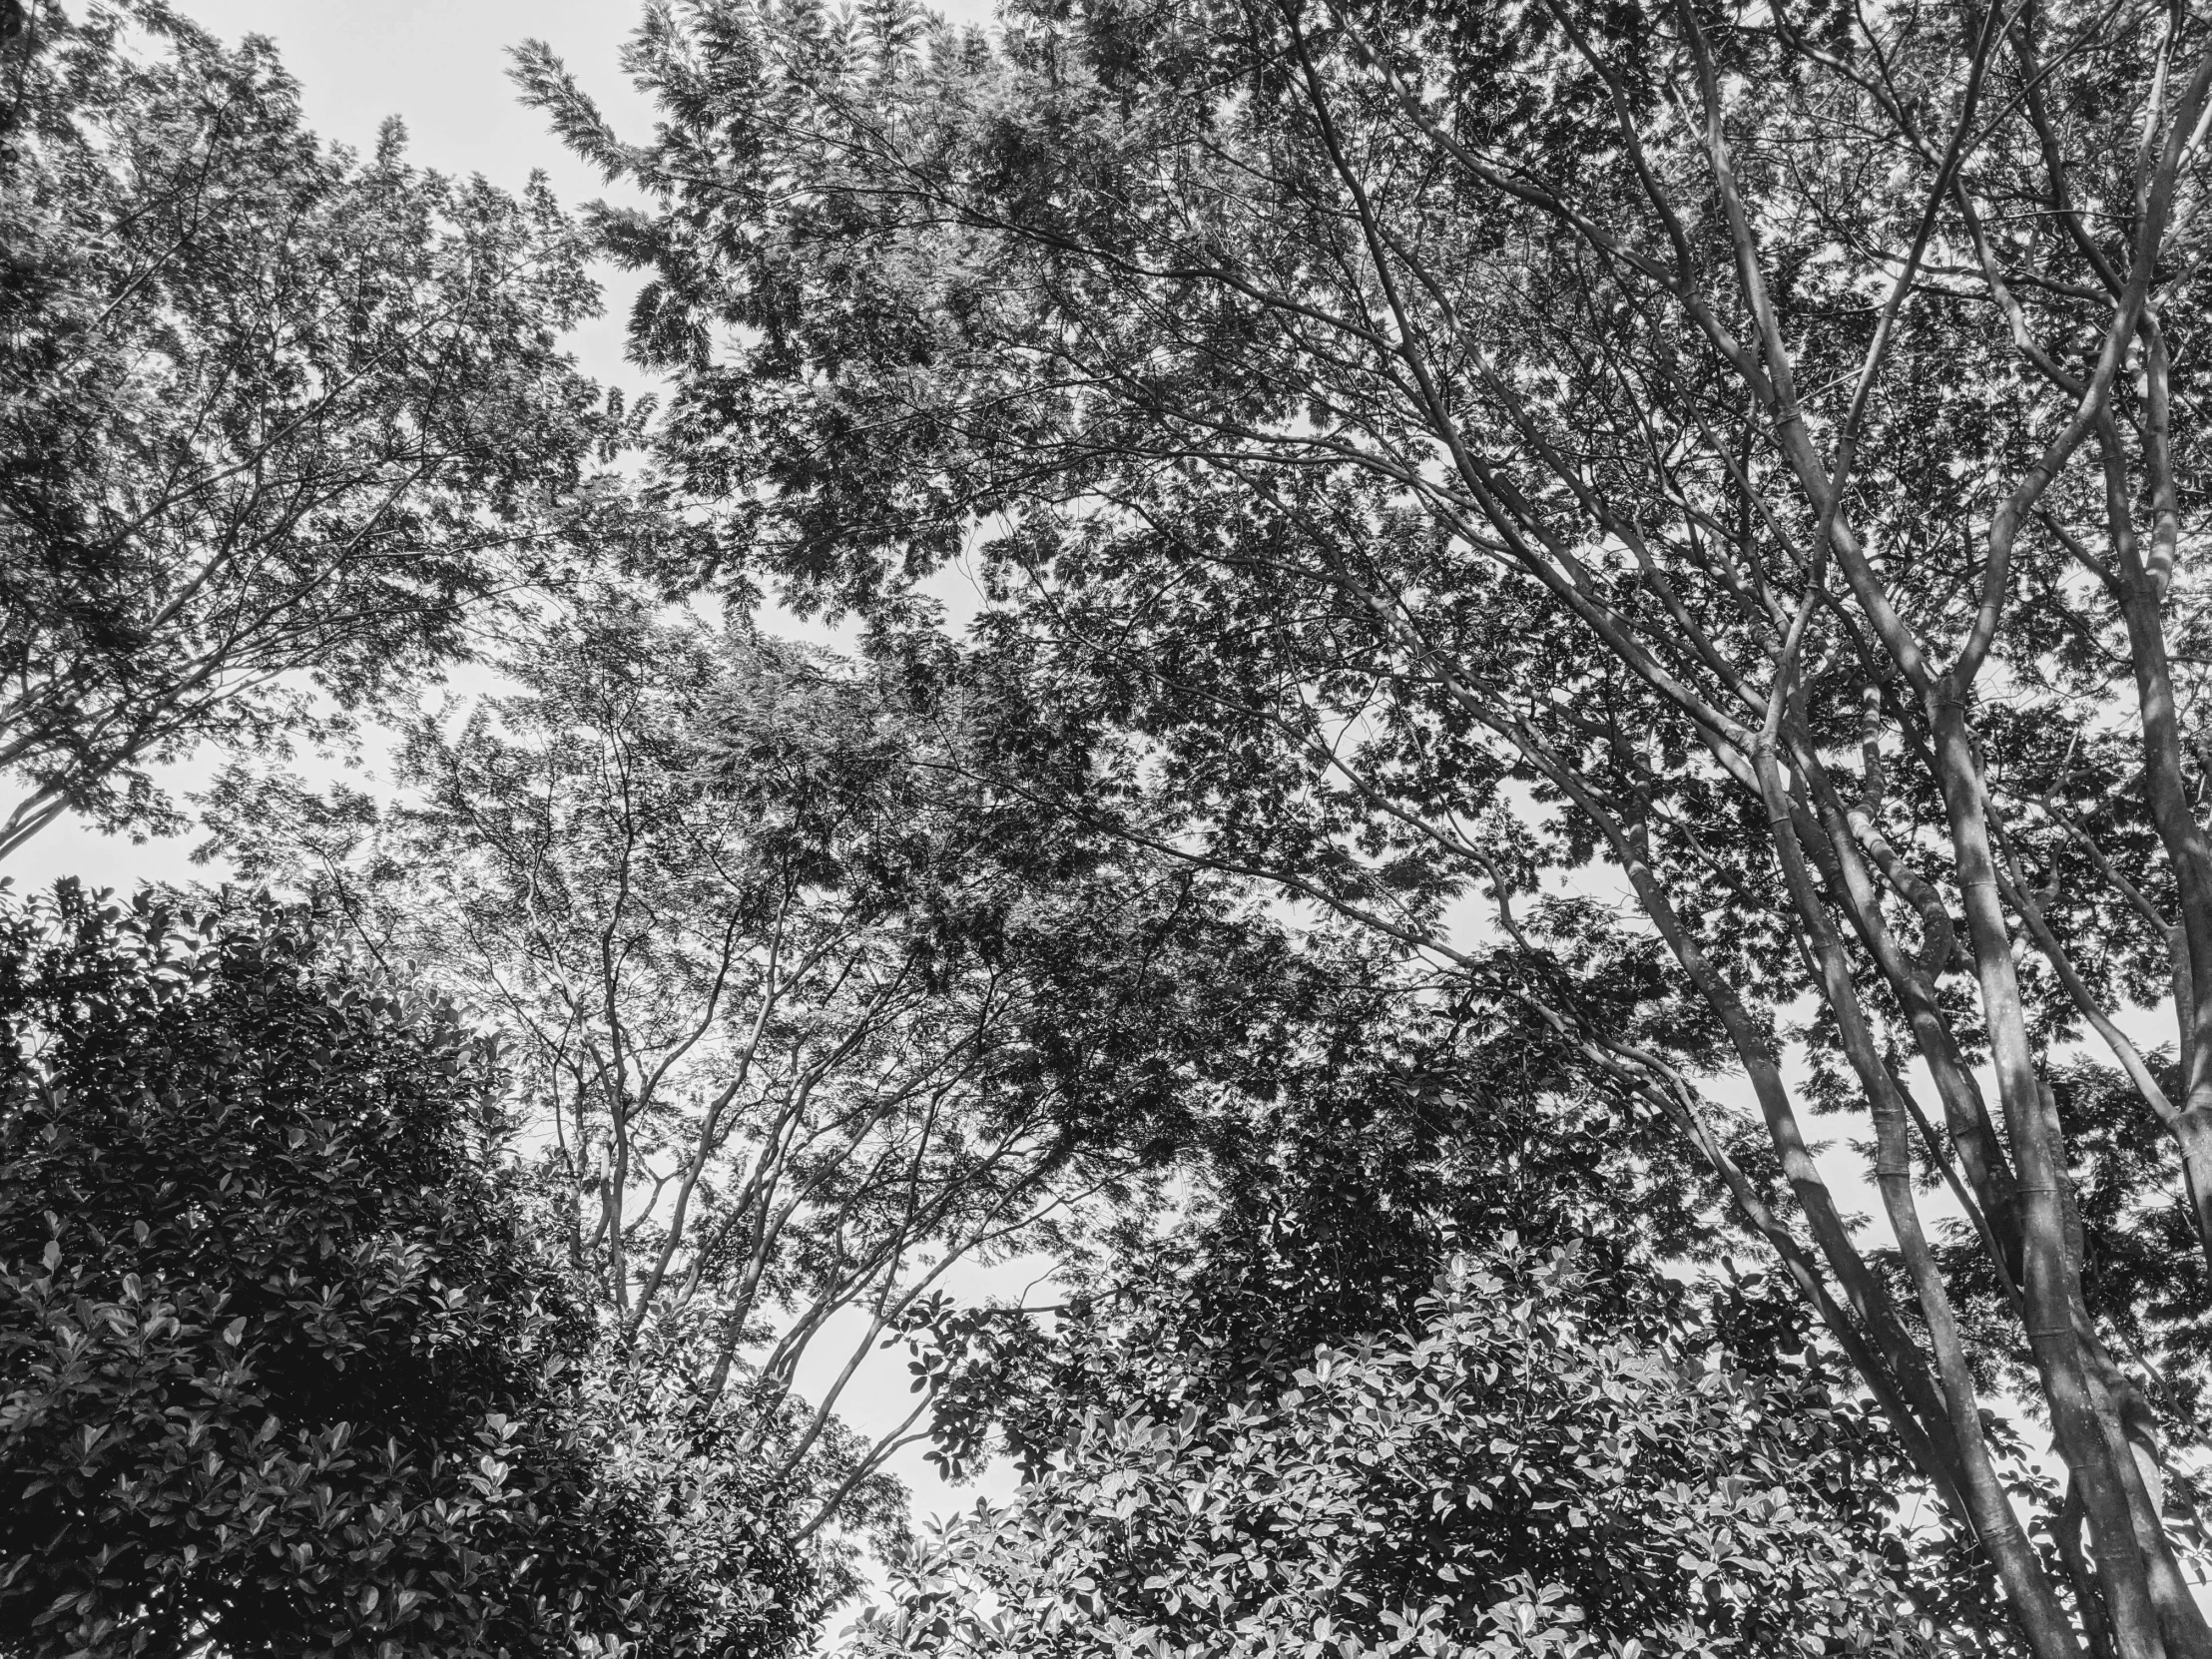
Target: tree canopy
(1510, 1476)
(1588, 663)
(1739, 456)
(280, 422)
(804, 1016)
(1340, 1405)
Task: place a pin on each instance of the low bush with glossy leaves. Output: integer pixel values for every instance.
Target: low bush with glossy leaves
(278, 1371)
(1508, 1476)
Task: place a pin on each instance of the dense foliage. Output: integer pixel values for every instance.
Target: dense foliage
(802, 1015)
(1553, 571)
(280, 420)
(1256, 1426)
(1735, 457)
(1523, 1473)
(278, 1371)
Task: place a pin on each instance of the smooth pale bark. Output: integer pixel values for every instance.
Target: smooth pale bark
(2188, 848)
(2035, 1604)
(2048, 1280)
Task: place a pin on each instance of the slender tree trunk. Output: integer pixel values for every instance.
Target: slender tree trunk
(2048, 1283)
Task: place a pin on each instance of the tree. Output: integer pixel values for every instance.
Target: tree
(1169, 1427)
(1515, 1475)
(1318, 1199)
(280, 422)
(1741, 453)
(802, 1019)
(280, 1371)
